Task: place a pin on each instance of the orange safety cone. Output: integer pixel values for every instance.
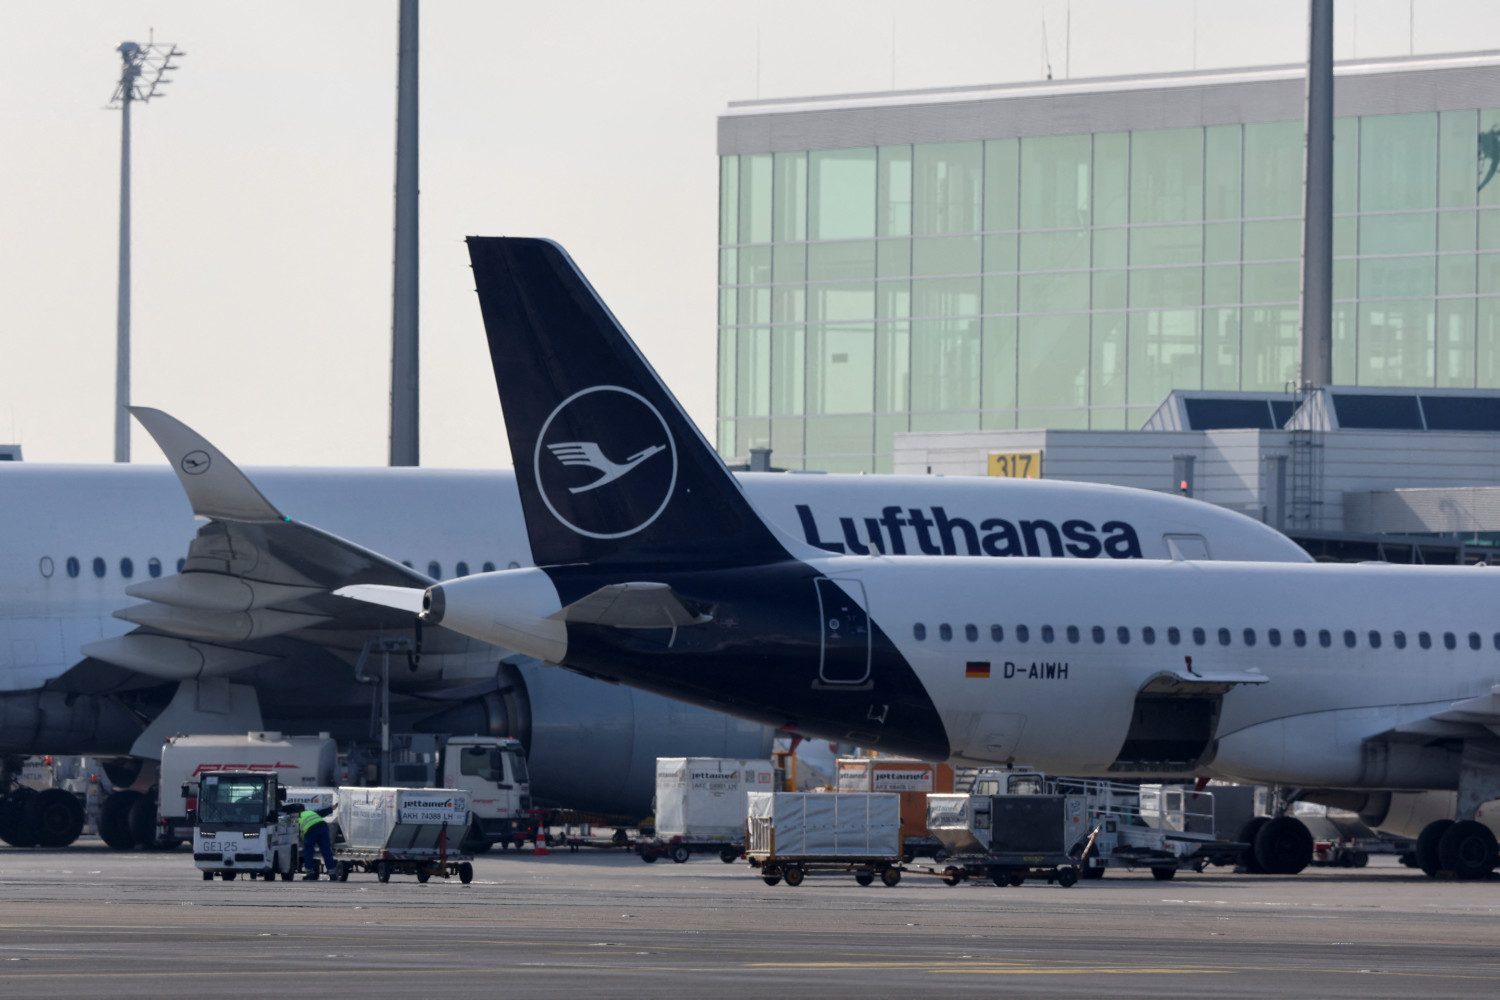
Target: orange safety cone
(540, 850)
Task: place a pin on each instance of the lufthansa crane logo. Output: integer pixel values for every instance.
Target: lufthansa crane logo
(605, 462)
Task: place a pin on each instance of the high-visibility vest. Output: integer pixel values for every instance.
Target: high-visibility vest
(307, 820)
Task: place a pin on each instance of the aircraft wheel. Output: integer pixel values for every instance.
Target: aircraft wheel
(1427, 846)
(1248, 832)
(1163, 874)
(1468, 849)
(864, 878)
(1284, 846)
(56, 817)
(794, 875)
(680, 853)
(16, 827)
(890, 876)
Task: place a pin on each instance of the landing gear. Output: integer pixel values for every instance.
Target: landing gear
(1466, 848)
(55, 817)
(1283, 846)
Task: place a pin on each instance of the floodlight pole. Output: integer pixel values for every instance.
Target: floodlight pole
(137, 60)
(405, 380)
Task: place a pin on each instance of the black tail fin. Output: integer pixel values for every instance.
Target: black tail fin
(607, 462)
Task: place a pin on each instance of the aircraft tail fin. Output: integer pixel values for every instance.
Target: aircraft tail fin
(607, 463)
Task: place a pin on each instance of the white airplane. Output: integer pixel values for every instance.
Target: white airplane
(1376, 680)
(119, 626)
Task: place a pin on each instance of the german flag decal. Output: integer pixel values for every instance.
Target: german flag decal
(977, 669)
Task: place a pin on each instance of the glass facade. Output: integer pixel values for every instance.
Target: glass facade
(1073, 281)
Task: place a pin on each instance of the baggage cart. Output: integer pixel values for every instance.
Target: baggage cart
(791, 834)
(700, 806)
(403, 831)
(1007, 839)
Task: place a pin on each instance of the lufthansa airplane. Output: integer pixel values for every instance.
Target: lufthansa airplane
(652, 568)
(119, 626)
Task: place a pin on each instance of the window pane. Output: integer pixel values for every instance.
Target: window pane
(998, 386)
(1054, 251)
(1396, 343)
(943, 297)
(840, 369)
(1221, 160)
(753, 372)
(1273, 169)
(1408, 232)
(1164, 354)
(892, 258)
(788, 372)
(1110, 289)
(1000, 180)
(729, 199)
(1111, 247)
(1055, 181)
(1166, 245)
(1458, 151)
(1060, 289)
(848, 261)
(1269, 354)
(1455, 343)
(842, 194)
(727, 382)
(946, 186)
(945, 365)
(755, 198)
(1276, 240)
(1107, 368)
(846, 300)
(894, 213)
(1111, 175)
(1345, 164)
(1272, 282)
(1396, 277)
(1166, 175)
(790, 216)
(840, 444)
(1167, 286)
(1052, 361)
(1397, 162)
(892, 367)
(947, 255)
(1221, 349)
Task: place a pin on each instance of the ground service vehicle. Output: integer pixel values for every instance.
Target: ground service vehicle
(700, 806)
(491, 770)
(1009, 838)
(789, 834)
(239, 826)
(408, 831)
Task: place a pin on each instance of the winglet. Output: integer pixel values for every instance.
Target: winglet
(214, 485)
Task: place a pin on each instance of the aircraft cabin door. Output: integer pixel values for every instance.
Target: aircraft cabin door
(845, 653)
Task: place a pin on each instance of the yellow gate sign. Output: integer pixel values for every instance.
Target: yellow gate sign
(1016, 464)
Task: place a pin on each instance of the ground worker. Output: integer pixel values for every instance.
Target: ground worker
(315, 837)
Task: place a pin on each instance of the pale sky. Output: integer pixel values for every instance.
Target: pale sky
(263, 183)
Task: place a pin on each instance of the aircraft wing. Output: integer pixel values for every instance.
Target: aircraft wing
(1470, 719)
(253, 578)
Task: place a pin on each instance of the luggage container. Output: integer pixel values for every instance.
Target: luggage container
(1007, 838)
(789, 834)
(913, 780)
(407, 831)
(700, 806)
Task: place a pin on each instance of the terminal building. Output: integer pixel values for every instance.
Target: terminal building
(1066, 254)
(1003, 265)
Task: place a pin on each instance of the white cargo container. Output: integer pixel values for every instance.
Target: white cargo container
(297, 762)
(700, 805)
(403, 830)
(792, 833)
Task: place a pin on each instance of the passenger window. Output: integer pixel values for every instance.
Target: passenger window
(1349, 638)
(1299, 638)
(72, 565)
(407, 564)
(1047, 635)
(1273, 636)
(462, 569)
(1424, 640)
(1174, 634)
(1497, 640)
(1023, 634)
(1223, 637)
(1073, 633)
(153, 566)
(98, 567)
(1374, 639)
(1249, 636)
(1325, 638)
(1122, 634)
(1098, 633)
(919, 632)
(1449, 641)
(1199, 636)
(489, 567)
(1148, 635)
(1474, 642)
(971, 633)
(997, 633)
(1399, 639)
(127, 568)
(945, 632)
(435, 570)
